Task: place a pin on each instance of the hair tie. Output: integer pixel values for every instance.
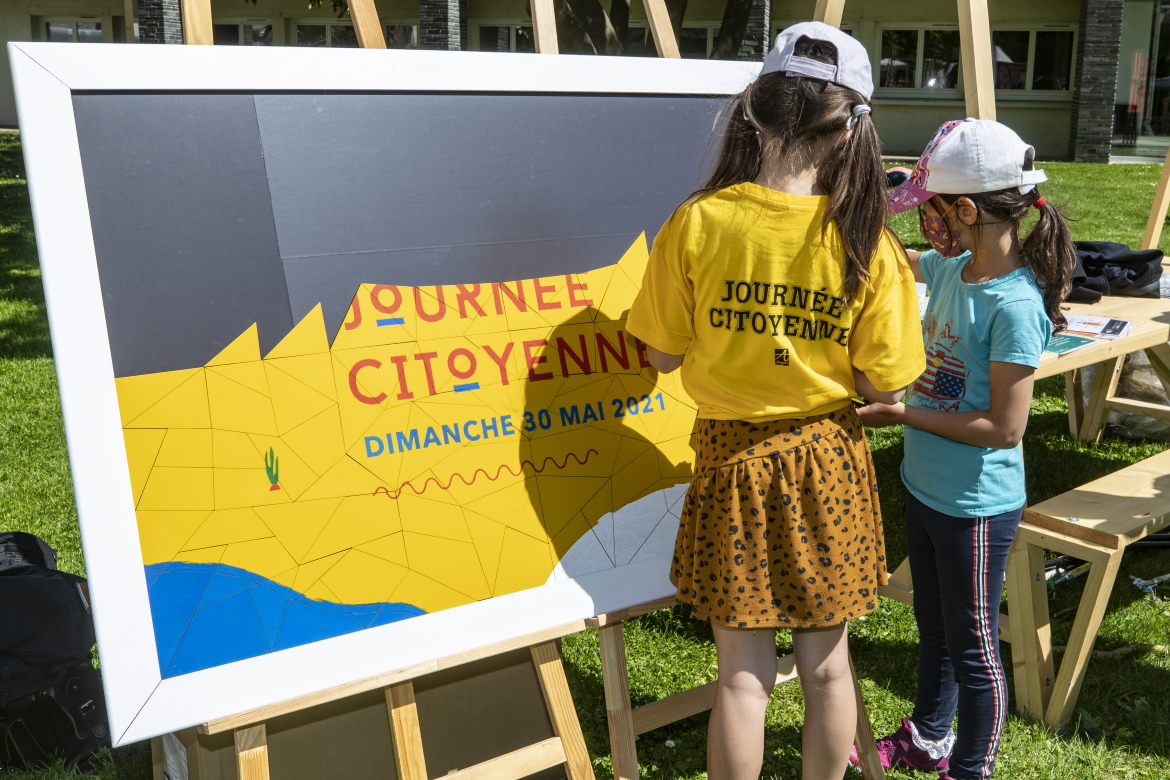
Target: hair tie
(1039, 203)
(858, 110)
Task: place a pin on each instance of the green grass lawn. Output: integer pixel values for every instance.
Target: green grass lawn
(1122, 728)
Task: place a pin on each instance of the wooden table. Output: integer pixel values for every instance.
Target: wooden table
(1151, 319)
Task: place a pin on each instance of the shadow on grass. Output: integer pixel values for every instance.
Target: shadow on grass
(24, 329)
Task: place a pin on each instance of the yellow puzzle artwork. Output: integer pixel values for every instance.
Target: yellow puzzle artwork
(452, 444)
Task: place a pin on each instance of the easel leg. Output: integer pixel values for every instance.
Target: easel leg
(1074, 393)
(616, 679)
(1031, 630)
(561, 710)
(871, 763)
(1104, 385)
(1080, 642)
(1158, 210)
(405, 732)
(252, 752)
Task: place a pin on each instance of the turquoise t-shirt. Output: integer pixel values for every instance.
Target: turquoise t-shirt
(965, 328)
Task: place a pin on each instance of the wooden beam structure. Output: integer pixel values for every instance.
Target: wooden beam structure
(197, 28)
(829, 12)
(978, 63)
(366, 24)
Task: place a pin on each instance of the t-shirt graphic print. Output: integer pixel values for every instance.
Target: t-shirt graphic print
(944, 382)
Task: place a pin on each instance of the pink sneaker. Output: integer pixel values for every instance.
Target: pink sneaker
(905, 748)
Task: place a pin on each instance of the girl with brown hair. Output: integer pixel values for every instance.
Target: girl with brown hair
(782, 295)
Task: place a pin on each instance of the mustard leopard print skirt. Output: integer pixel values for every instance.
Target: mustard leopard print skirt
(781, 526)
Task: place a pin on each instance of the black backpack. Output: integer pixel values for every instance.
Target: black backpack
(51, 701)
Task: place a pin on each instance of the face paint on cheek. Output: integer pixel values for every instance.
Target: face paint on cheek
(944, 240)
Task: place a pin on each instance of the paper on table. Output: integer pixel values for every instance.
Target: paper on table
(1063, 343)
(1097, 327)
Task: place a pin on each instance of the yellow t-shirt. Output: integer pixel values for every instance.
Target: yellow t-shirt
(741, 284)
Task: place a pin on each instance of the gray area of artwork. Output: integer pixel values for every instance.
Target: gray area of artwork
(420, 189)
(211, 212)
(182, 225)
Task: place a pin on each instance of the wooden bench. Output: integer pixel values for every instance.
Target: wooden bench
(1095, 523)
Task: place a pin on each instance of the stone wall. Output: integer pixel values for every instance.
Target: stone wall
(757, 38)
(1098, 47)
(159, 21)
(442, 24)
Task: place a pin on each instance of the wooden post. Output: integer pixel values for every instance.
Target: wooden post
(1159, 358)
(1091, 610)
(561, 710)
(1097, 410)
(978, 74)
(660, 27)
(129, 13)
(1032, 632)
(366, 24)
(197, 27)
(616, 681)
(157, 764)
(829, 12)
(405, 732)
(544, 26)
(252, 752)
(1158, 210)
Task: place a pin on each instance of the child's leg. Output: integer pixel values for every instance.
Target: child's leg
(976, 551)
(747, 674)
(938, 693)
(830, 705)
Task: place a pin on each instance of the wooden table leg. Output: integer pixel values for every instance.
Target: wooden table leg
(616, 680)
(561, 711)
(1159, 357)
(1031, 631)
(871, 762)
(1080, 642)
(252, 752)
(1104, 385)
(1074, 393)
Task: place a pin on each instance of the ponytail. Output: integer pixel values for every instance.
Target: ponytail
(1048, 250)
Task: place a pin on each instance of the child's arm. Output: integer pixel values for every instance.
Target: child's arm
(867, 391)
(665, 363)
(913, 256)
(1001, 427)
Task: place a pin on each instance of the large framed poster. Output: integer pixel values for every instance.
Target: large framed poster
(341, 351)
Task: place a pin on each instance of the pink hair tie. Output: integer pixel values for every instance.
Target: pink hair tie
(1040, 202)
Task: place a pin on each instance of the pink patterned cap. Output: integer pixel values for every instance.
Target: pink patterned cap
(964, 157)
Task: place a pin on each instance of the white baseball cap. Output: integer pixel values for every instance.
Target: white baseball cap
(967, 156)
(852, 69)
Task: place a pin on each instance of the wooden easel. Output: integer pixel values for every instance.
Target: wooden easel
(566, 747)
(627, 721)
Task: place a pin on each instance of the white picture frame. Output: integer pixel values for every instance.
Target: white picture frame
(140, 703)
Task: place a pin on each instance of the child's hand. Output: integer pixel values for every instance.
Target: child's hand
(882, 415)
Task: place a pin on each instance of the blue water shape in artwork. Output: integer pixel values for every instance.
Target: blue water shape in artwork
(210, 614)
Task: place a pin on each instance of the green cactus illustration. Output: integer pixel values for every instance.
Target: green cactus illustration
(272, 468)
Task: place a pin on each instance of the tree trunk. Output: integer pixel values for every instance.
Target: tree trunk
(597, 26)
(732, 30)
(619, 17)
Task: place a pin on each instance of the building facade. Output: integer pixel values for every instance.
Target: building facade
(1079, 79)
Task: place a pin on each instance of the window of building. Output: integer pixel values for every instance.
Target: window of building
(251, 32)
(402, 36)
(1034, 60)
(73, 31)
(506, 37)
(925, 58)
(330, 34)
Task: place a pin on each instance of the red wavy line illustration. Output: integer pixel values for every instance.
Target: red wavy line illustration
(393, 495)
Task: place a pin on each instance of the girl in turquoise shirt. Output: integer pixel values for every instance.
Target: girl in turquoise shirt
(994, 301)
